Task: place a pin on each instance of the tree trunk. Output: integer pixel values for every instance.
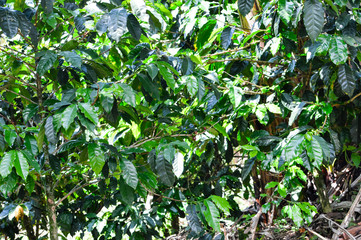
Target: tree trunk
(51, 212)
(322, 193)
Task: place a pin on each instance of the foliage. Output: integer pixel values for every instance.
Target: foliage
(120, 117)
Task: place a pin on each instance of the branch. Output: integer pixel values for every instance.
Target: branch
(159, 195)
(338, 225)
(76, 188)
(229, 51)
(348, 216)
(140, 142)
(347, 102)
(20, 80)
(17, 58)
(56, 27)
(18, 94)
(244, 59)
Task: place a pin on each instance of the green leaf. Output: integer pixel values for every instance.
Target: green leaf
(21, 165)
(70, 145)
(247, 168)
(271, 185)
(49, 130)
(134, 27)
(7, 163)
(245, 6)
(10, 136)
(46, 62)
(338, 50)
(192, 84)
(193, 220)
(117, 25)
(297, 215)
(226, 37)
(73, 58)
(96, 157)
(152, 70)
(129, 173)
(128, 94)
(89, 112)
(47, 6)
(68, 116)
(167, 75)
(346, 79)
(221, 203)
(325, 148)
(295, 113)
(164, 170)
(178, 164)
(293, 148)
(313, 18)
(126, 193)
(30, 111)
(356, 158)
(31, 160)
(205, 32)
(285, 10)
(212, 215)
(314, 152)
(149, 86)
(8, 22)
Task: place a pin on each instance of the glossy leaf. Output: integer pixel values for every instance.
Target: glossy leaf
(129, 173)
(286, 9)
(346, 79)
(21, 165)
(117, 25)
(221, 203)
(313, 17)
(164, 170)
(192, 85)
(72, 58)
(338, 50)
(68, 116)
(167, 75)
(293, 148)
(205, 32)
(7, 163)
(193, 220)
(8, 22)
(89, 112)
(96, 157)
(49, 130)
(245, 6)
(134, 27)
(178, 164)
(46, 62)
(212, 215)
(295, 113)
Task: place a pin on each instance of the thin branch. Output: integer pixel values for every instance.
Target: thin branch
(229, 51)
(56, 27)
(140, 142)
(348, 216)
(18, 94)
(338, 225)
(316, 234)
(244, 59)
(76, 188)
(20, 80)
(19, 59)
(347, 102)
(159, 195)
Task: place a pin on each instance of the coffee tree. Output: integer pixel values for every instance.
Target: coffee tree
(121, 117)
